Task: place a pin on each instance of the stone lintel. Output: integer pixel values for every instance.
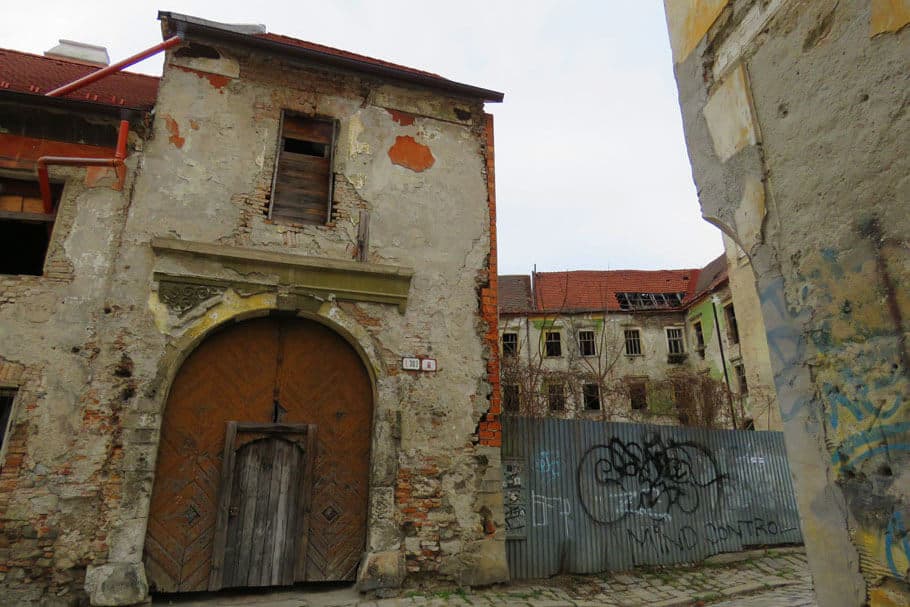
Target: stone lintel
(297, 278)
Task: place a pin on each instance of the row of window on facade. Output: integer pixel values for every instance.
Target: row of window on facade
(301, 194)
(556, 397)
(587, 343)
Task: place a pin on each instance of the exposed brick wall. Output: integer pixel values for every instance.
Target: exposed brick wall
(490, 428)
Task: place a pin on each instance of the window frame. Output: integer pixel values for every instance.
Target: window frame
(732, 325)
(546, 343)
(31, 218)
(550, 385)
(7, 411)
(330, 147)
(586, 393)
(512, 351)
(637, 339)
(634, 386)
(699, 338)
(592, 342)
(507, 389)
(681, 339)
(742, 382)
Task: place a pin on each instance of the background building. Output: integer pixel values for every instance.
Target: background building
(661, 346)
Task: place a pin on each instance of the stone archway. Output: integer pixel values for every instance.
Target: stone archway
(280, 374)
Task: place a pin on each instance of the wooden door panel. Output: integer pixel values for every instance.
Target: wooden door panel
(260, 537)
(238, 374)
(231, 375)
(337, 398)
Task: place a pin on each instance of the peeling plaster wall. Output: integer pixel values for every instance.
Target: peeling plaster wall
(796, 121)
(94, 353)
(206, 177)
(61, 472)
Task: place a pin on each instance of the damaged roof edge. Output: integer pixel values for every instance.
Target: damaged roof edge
(176, 23)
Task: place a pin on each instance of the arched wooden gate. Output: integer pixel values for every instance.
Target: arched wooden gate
(295, 403)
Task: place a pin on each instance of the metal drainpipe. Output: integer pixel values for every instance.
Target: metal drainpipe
(122, 134)
(723, 360)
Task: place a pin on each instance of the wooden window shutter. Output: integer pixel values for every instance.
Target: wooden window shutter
(302, 191)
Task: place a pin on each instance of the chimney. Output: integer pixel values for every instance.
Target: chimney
(80, 52)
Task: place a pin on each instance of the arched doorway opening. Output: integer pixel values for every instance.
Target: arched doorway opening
(263, 461)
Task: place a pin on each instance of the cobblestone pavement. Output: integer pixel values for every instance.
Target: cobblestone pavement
(772, 578)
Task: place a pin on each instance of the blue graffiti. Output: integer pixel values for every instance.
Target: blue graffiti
(862, 406)
(879, 435)
(548, 464)
(786, 347)
(896, 533)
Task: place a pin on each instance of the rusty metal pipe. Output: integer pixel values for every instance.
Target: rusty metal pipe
(44, 181)
(115, 67)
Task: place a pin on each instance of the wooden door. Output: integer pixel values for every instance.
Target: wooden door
(263, 371)
(263, 514)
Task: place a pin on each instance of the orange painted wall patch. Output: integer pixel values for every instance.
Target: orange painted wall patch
(174, 129)
(412, 155)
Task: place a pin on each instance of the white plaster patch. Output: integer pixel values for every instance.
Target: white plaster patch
(226, 66)
(355, 146)
(733, 46)
(729, 116)
(750, 214)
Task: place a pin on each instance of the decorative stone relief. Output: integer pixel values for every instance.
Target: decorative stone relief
(182, 297)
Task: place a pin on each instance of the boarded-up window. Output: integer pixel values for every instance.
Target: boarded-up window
(303, 174)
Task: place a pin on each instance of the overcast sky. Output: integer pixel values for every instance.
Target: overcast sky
(591, 166)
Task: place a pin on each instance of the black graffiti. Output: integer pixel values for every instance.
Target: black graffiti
(657, 538)
(516, 517)
(652, 478)
(745, 529)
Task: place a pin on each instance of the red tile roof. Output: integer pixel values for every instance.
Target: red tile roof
(712, 275)
(28, 73)
(514, 294)
(586, 290)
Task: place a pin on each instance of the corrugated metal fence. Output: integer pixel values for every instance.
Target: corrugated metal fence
(585, 496)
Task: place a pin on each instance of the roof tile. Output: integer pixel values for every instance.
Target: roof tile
(28, 73)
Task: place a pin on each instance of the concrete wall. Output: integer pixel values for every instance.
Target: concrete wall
(796, 121)
(94, 355)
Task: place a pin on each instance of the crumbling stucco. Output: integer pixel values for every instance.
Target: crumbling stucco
(98, 346)
(828, 85)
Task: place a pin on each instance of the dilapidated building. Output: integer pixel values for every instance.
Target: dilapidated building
(796, 119)
(202, 337)
(627, 345)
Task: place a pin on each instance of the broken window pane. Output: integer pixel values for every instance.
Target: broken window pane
(553, 343)
(649, 301)
(509, 344)
(591, 396)
(633, 342)
(732, 327)
(556, 396)
(511, 398)
(25, 229)
(638, 395)
(586, 343)
(675, 340)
